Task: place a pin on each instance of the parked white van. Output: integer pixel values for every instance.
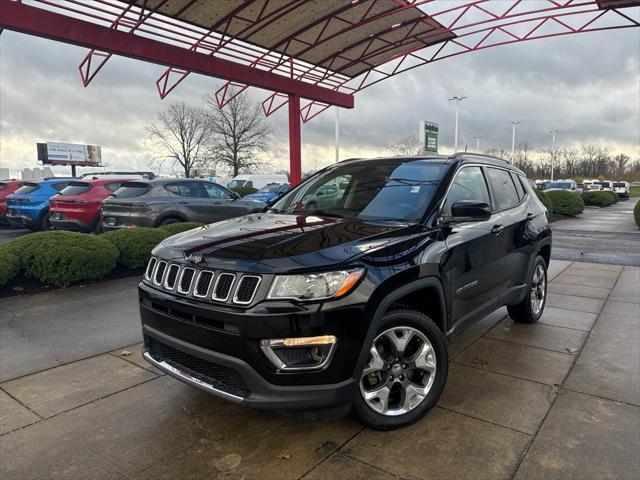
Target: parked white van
(257, 180)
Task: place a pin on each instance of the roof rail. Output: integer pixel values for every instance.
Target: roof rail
(481, 155)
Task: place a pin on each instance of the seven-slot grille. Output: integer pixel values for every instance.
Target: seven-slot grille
(203, 283)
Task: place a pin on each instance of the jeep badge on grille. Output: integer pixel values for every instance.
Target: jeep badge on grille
(194, 259)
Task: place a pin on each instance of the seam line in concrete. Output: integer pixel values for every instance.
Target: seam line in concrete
(506, 374)
(375, 467)
(544, 419)
(23, 404)
(528, 434)
(601, 397)
(337, 449)
(531, 346)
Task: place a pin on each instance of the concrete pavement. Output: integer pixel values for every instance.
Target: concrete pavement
(558, 399)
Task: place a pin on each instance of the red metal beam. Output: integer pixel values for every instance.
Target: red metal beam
(295, 141)
(42, 23)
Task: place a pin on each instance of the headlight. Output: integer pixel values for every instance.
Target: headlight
(315, 286)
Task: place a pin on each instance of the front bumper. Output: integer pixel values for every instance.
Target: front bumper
(216, 348)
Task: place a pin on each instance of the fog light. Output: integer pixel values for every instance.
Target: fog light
(302, 353)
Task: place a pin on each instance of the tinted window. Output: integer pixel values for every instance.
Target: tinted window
(216, 191)
(131, 190)
(271, 188)
(186, 189)
(469, 184)
(563, 185)
(504, 191)
(27, 188)
(385, 189)
(75, 188)
(519, 186)
(112, 187)
(617, 184)
(3, 186)
(59, 186)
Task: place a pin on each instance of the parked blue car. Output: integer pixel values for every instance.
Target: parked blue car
(268, 193)
(29, 204)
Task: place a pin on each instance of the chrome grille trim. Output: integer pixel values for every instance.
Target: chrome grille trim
(253, 294)
(151, 266)
(180, 290)
(215, 287)
(173, 266)
(161, 269)
(197, 284)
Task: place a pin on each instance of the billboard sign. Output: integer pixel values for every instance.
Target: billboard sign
(428, 136)
(57, 153)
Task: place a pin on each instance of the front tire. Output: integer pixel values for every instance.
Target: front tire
(44, 222)
(405, 373)
(530, 309)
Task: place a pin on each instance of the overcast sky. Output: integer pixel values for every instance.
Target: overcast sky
(587, 86)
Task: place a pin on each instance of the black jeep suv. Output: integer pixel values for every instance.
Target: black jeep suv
(346, 301)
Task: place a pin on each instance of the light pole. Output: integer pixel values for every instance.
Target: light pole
(455, 138)
(477, 139)
(513, 139)
(553, 134)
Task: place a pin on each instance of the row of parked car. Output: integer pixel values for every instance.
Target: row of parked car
(101, 203)
(621, 188)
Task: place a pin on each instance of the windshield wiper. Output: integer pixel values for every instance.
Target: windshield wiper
(324, 213)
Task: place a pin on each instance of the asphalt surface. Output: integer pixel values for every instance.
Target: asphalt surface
(599, 235)
(8, 234)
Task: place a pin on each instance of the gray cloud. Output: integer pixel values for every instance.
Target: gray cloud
(587, 86)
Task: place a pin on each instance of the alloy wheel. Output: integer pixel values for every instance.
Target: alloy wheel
(538, 289)
(400, 372)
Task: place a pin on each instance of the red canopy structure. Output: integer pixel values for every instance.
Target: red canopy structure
(312, 54)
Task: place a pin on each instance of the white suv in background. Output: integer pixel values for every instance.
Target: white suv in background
(621, 188)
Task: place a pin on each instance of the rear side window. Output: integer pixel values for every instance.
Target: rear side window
(187, 189)
(3, 186)
(75, 188)
(112, 187)
(27, 188)
(131, 190)
(518, 184)
(216, 191)
(503, 188)
(59, 186)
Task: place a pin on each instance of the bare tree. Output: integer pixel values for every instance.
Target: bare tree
(407, 146)
(240, 134)
(621, 161)
(182, 133)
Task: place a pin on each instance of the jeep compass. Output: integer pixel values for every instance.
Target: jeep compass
(346, 301)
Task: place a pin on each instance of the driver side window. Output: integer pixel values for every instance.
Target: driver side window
(469, 184)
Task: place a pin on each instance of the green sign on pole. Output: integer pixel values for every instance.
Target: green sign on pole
(429, 136)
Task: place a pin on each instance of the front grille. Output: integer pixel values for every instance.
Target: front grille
(202, 285)
(172, 275)
(219, 377)
(159, 275)
(223, 287)
(185, 280)
(246, 289)
(150, 267)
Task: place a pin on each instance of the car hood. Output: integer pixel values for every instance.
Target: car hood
(268, 242)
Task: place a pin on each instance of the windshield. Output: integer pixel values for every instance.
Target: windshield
(75, 188)
(27, 188)
(273, 188)
(131, 190)
(619, 184)
(603, 184)
(394, 189)
(563, 185)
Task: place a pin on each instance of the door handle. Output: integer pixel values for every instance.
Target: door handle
(497, 229)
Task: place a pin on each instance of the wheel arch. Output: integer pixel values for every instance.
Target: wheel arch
(173, 214)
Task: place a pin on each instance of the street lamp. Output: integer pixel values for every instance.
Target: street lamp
(477, 139)
(513, 139)
(553, 134)
(455, 139)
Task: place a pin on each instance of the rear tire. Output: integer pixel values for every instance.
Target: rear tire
(169, 221)
(44, 223)
(405, 378)
(530, 309)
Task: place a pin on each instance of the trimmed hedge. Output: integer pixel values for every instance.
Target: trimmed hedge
(546, 201)
(135, 244)
(9, 265)
(636, 213)
(597, 198)
(62, 258)
(565, 203)
(174, 228)
(614, 196)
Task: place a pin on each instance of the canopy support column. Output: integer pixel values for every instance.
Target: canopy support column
(295, 154)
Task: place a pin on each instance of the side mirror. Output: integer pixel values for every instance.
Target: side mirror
(236, 195)
(470, 211)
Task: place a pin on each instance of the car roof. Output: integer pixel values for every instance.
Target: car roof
(457, 158)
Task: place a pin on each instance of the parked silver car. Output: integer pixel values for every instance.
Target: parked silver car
(160, 202)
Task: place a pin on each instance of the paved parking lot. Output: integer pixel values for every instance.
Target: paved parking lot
(559, 399)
